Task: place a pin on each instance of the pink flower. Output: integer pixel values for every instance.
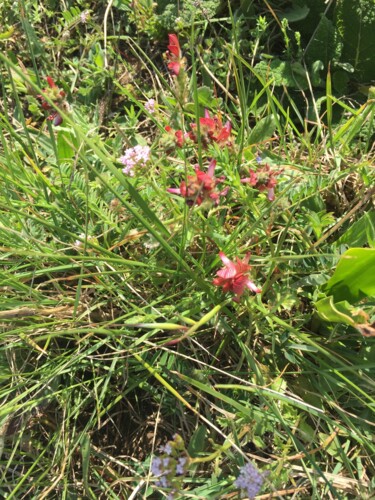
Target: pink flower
(233, 276)
(201, 187)
(213, 130)
(134, 158)
(262, 179)
(174, 55)
(150, 106)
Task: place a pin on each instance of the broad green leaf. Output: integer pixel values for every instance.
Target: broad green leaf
(323, 46)
(341, 312)
(263, 130)
(361, 232)
(282, 73)
(206, 98)
(296, 13)
(65, 149)
(354, 277)
(197, 441)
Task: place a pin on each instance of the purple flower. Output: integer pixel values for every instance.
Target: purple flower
(181, 465)
(156, 466)
(250, 480)
(135, 157)
(150, 106)
(167, 449)
(171, 466)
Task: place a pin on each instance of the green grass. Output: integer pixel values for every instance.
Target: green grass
(111, 346)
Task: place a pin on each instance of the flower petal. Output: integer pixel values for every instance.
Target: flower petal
(174, 45)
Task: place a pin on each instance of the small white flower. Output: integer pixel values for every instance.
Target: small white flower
(150, 106)
(78, 244)
(84, 16)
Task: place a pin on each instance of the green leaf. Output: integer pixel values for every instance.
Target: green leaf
(296, 13)
(65, 142)
(323, 46)
(85, 451)
(263, 130)
(205, 96)
(353, 278)
(282, 73)
(316, 68)
(361, 232)
(341, 312)
(197, 441)
(98, 56)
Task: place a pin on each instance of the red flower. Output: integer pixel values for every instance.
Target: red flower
(262, 179)
(233, 276)
(174, 55)
(50, 82)
(174, 45)
(213, 130)
(179, 137)
(54, 94)
(201, 187)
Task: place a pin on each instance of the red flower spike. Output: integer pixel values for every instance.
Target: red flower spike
(201, 187)
(179, 136)
(233, 276)
(50, 82)
(54, 94)
(174, 45)
(263, 179)
(174, 55)
(213, 130)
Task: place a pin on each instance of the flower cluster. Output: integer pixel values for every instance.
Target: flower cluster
(201, 187)
(177, 136)
(263, 179)
(57, 96)
(250, 480)
(150, 106)
(233, 276)
(212, 130)
(136, 157)
(171, 465)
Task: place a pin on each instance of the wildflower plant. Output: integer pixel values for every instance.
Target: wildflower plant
(171, 465)
(201, 188)
(150, 106)
(176, 64)
(250, 480)
(160, 323)
(57, 96)
(212, 130)
(233, 277)
(263, 179)
(135, 159)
